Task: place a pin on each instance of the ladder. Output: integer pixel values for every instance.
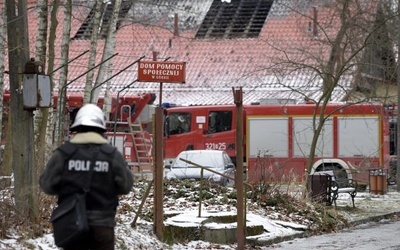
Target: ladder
(142, 146)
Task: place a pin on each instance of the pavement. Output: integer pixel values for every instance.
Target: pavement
(369, 207)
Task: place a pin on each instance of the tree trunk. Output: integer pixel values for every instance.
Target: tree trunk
(93, 49)
(23, 150)
(47, 126)
(60, 131)
(106, 68)
(398, 102)
(110, 47)
(6, 168)
(41, 57)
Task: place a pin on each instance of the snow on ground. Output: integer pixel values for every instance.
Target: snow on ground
(276, 221)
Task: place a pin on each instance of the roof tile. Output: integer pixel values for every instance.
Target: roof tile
(214, 66)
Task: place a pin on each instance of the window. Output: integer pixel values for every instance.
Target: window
(86, 29)
(357, 137)
(268, 137)
(219, 121)
(178, 123)
(235, 19)
(303, 133)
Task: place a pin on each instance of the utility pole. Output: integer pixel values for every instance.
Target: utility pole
(241, 203)
(23, 148)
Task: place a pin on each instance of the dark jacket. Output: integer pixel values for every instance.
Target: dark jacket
(67, 172)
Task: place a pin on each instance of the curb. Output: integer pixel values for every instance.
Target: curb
(375, 218)
(305, 234)
(274, 240)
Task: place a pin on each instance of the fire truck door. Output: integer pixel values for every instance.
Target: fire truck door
(178, 130)
(219, 132)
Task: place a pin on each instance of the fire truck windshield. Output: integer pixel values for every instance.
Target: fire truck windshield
(178, 123)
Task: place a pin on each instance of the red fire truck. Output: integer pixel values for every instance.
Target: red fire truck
(277, 138)
(128, 124)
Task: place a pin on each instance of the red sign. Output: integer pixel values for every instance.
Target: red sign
(173, 72)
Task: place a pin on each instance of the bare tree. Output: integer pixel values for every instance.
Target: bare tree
(93, 48)
(64, 71)
(398, 100)
(109, 50)
(334, 46)
(41, 49)
(105, 70)
(6, 167)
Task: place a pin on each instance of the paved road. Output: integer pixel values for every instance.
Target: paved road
(371, 236)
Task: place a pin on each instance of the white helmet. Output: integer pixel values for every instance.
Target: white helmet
(89, 115)
(181, 118)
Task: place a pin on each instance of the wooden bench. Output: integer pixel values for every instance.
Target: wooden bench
(335, 187)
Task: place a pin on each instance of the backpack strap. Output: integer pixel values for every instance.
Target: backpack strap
(86, 187)
(108, 149)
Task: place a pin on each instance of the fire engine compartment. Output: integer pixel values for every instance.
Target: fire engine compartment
(278, 137)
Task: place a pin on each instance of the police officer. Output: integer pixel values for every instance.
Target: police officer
(67, 172)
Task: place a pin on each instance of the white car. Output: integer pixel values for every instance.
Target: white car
(216, 160)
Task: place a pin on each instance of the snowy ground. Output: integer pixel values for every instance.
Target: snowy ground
(277, 221)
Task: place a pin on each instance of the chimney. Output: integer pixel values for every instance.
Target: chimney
(315, 22)
(176, 29)
(155, 54)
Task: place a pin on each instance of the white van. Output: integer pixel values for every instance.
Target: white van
(216, 160)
